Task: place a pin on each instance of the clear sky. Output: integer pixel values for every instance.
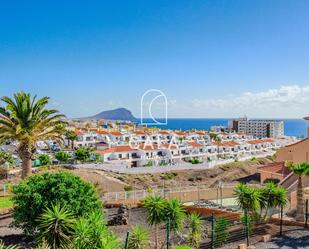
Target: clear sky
(211, 58)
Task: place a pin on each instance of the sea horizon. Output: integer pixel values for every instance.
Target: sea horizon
(292, 126)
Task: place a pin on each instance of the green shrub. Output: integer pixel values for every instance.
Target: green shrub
(139, 238)
(182, 247)
(82, 154)
(148, 164)
(62, 156)
(38, 192)
(168, 175)
(128, 188)
(90, 231)
(44, 159)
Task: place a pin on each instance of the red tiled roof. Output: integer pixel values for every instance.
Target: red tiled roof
(116, 133)
(120, 148)
(102, 132)
(195, 144)
(148, 147)
(259, 141)
(180, 133)
(169, 146)
(164, 132)
(230, 143)
(278, 168)
(139, 133)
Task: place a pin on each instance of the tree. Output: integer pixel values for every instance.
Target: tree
(300, 169)
(139, 238)
(273, 196)
(175, 213)
(26, 120)
(248, 198)
(71, 136)
(44, 159)
(82, 154)
(90, 231)
(56, 226)
(195, 230)
(38, 192)
(155, 209)
(62, 156)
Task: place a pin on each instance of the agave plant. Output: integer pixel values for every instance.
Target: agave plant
(139, 238)
(26, 120)
(91, 232)
(195, 230)
(56, 226)
(3, 246)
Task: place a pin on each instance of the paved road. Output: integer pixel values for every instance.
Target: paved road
(123, 168)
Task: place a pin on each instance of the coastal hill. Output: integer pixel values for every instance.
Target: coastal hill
(116, 114)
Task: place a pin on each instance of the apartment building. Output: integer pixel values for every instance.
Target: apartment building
(259, 128)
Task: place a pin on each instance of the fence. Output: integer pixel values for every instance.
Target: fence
(185, 194)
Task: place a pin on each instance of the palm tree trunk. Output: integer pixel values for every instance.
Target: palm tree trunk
(300, 201)
(25, 155)
(72, 144)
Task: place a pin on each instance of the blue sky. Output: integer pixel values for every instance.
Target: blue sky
(210, 58)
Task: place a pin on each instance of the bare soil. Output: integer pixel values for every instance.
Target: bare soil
(114, 182)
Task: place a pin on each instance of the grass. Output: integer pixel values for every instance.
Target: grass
(6, 202)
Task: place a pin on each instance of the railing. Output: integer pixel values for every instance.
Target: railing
(185, 194)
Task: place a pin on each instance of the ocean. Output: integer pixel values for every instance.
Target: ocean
(292, 127)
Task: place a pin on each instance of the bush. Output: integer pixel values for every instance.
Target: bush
(128, 188)
(91, 232)
(44, 159)
(62, 156)
(168, 175)
(139, 238)
(38, 192)
(148, 164)
(182, 247)
(82, 154)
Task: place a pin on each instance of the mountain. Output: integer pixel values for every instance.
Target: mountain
(116, 114)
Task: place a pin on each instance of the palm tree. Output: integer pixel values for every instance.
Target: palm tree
(274, 196)
(299, 169)
(26, 120)
(248, 198)
(56, 226)
(268, 193)
(174, 212)
(195, 230)
(155, 209)
(138, 238)
(71, 136)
